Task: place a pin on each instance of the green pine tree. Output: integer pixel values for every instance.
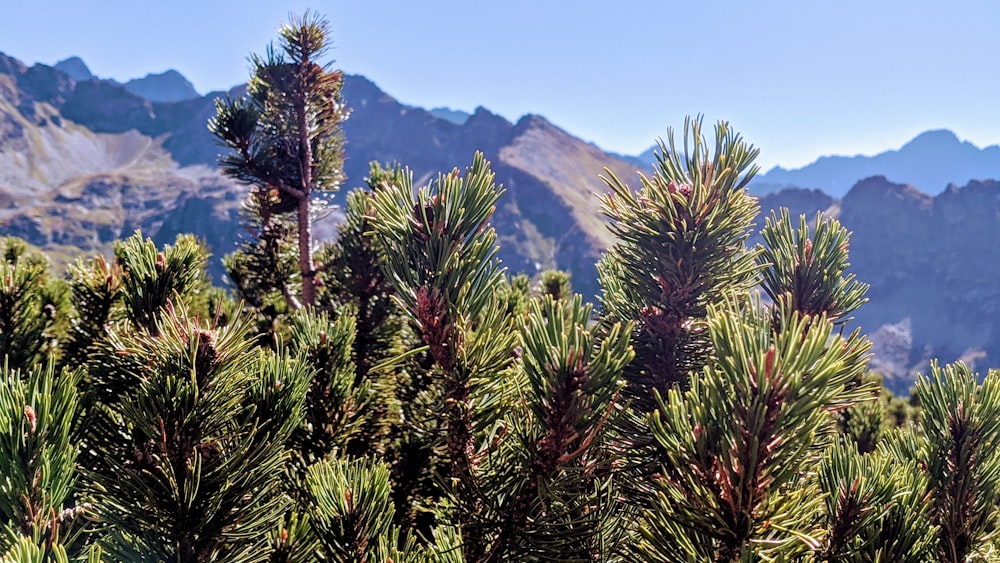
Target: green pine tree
(187, 458)
(440, 258)
(285, 139)
(38, 407)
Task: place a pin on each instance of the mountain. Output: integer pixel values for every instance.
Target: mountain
(169, 86)
(83, 163)
(930, 161)
(75, 68)
(72, 188)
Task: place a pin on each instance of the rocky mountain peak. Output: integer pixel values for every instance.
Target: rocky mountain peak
(75, 68)
(930, 161)
(168, 86)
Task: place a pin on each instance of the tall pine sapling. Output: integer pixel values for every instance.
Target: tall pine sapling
(285, 135)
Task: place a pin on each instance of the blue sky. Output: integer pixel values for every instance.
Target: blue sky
(800, 78)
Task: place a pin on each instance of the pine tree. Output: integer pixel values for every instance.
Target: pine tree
(152, 278)
(187, 459)
(745, 430)
(335, 404)
(679, 249)
(875, 508)
(412, 403)
(285, 137)
(353, 278)
(440, 258)
(38, 459)
(28, 305)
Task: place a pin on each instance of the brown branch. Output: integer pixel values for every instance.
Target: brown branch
(592, 434)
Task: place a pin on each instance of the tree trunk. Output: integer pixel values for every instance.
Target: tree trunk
(306, 265)
(306, 173)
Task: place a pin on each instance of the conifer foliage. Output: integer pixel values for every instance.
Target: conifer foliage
(410, 402)
(38, 458)
(187, 460)
(440, 257)
(680, 249)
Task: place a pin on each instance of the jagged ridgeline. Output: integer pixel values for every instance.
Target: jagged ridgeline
(399, 395)
(85, 161)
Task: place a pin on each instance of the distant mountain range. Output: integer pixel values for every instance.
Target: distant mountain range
(85, 161)
(931, 161)
(168, 86)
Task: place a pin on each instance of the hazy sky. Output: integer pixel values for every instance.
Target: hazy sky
(799, 78)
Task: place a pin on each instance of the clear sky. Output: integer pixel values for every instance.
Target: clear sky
(799, 78)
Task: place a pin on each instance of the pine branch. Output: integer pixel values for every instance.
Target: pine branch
(440, 257)
(744, 430)
(573, 384)
(37, 455)
(807, 269)
(680, 248)
(187, 460)
(961, 422)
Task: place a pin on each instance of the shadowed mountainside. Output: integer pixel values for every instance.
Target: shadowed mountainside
(932, 262)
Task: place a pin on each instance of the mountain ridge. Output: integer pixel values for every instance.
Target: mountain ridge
(931, 161)
(84, 163)
(380, 129)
